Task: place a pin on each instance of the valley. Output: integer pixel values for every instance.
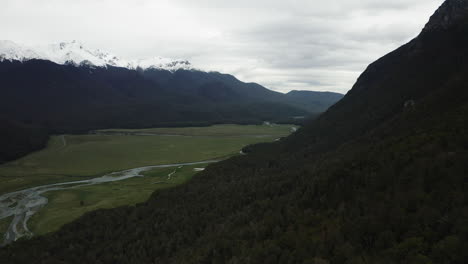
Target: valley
(140, 159)
(76, 174)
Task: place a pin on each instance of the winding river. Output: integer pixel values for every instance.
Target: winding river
(22, 205)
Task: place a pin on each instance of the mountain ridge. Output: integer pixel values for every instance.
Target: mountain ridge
(44, 95)
(448, 14)
(75, 53)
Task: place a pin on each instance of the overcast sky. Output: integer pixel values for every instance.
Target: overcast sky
(281, 44)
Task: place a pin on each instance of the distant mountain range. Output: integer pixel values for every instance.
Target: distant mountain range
(67, 88)
(380, 177)
(313, 102)
(77, 54)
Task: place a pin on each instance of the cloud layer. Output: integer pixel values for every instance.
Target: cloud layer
(283, 45)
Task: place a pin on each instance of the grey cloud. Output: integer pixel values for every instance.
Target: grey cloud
(282, 44)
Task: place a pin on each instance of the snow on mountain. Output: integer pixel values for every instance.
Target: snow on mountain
(12, 51)
(77, 54)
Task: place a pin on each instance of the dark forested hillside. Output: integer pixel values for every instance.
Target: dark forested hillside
(381, 177)
(70, 99)
(74, 99)
(18, 139)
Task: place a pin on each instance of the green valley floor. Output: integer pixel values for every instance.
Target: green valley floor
(70, 158)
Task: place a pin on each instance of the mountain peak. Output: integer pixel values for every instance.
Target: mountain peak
(9, 50)
(76, 53)
(73, 43)
(450, 13)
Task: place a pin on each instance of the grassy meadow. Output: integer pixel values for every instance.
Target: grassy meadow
(216, 131)
(67, 205)
(76, 157)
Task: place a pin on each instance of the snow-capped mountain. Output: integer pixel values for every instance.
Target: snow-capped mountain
(77, 54)
(12, 51)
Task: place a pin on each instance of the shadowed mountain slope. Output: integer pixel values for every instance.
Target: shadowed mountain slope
(315, 102)
(77, 98)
